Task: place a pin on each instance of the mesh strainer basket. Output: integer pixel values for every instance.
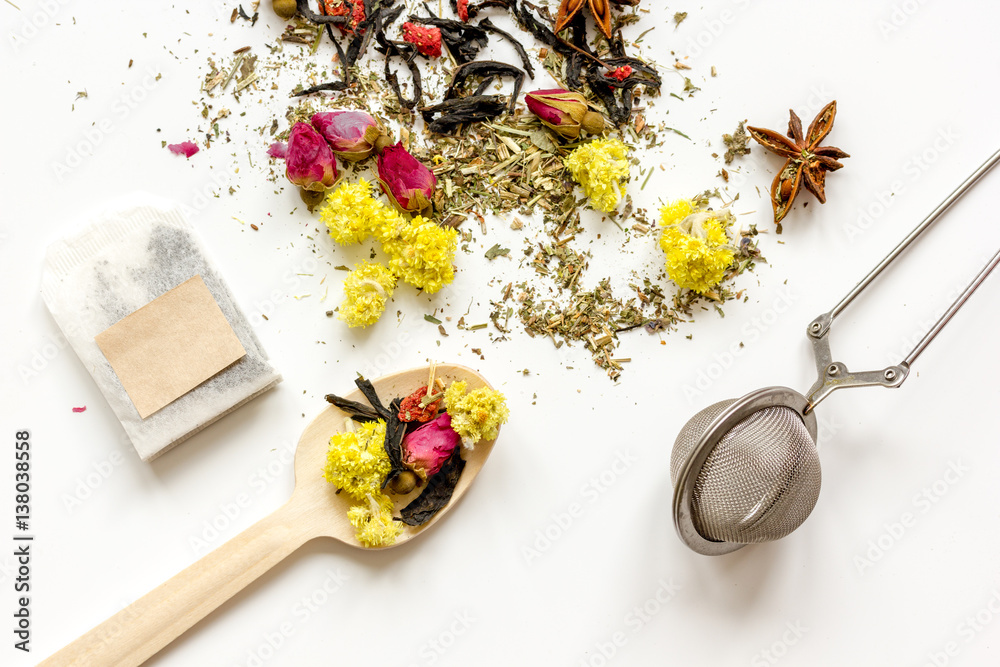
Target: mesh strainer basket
(746, 470)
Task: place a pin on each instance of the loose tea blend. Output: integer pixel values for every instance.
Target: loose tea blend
(406, 453)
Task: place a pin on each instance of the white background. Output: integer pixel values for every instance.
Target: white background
(917, 95)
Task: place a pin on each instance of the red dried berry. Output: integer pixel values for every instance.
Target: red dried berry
(621, 73)
(426, 39)
(338, 8)
(410, 409)
(463, 10)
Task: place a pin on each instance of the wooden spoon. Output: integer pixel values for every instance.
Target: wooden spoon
(137, 632)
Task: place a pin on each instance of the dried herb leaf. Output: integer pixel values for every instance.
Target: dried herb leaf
(489, 70)
(395, 430)
(488, 25)
(543, 140)
(358, 411)
(332, 85)
(319, 19)
(437, 494)
(497, 251)
(737, 143)
(462, 110)
(368, 390)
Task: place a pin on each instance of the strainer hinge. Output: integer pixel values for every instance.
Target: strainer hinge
(833, 375)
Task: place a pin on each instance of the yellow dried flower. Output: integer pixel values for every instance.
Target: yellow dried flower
(675, 211)
(696, 244)
(601, 169)
(421, 253)
(373, 522)
(392, 225)
(366, 291)
(477, 415)
(356, 461)
(352, 214)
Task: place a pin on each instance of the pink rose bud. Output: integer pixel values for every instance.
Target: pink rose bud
(426, 449)
(351, 134)
(405, 180)
(565, 112)
(309, 162)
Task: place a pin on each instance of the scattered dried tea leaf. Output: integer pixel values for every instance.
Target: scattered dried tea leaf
(737, 143)
(497, 251)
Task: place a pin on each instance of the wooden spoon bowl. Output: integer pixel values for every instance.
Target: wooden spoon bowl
(139, 631)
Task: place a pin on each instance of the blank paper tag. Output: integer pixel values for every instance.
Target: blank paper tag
(170, 346)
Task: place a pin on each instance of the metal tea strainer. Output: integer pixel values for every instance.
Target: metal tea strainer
(746, 470)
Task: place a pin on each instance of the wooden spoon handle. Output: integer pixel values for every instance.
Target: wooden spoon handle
(137, 632)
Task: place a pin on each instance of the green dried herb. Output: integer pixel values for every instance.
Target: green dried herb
(497, 251)
(737, 143)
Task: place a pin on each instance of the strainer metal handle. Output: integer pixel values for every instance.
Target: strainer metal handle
(833, 375)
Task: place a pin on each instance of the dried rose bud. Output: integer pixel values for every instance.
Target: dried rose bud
(565, 112)
(426, 449)
(405, 180)
(309, 162)
(351, 134)
(426, 39)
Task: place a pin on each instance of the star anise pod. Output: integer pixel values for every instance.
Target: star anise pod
(807, 161)
(601, 9)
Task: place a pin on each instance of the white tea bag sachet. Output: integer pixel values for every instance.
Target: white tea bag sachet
(135, 287)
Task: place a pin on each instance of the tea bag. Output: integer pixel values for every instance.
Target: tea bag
(95, 282)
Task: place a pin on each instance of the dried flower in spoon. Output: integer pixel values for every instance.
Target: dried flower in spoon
(374, 522)
(427, 448)
(357, 462)
(477, 415)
